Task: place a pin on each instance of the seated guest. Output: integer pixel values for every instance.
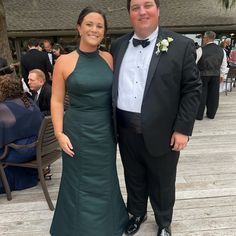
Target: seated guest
(20, 121)
(41, 90)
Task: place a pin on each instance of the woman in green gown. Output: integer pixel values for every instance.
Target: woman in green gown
(89, 201)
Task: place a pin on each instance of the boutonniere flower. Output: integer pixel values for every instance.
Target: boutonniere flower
(163, 45)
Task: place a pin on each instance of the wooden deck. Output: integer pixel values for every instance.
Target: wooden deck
(206, 186)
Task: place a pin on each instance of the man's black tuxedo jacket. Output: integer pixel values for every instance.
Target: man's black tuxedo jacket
(172, 92)
(53, 56)
(44, 99)
(35, 59)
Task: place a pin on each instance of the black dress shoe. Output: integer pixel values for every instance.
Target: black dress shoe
(134, 224)
(164, 231)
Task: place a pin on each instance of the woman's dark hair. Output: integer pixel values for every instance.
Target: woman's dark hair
(128, 4)
(11, 87)
(57, 46)
(88, 10)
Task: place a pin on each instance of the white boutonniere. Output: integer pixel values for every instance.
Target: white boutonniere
(163, 45)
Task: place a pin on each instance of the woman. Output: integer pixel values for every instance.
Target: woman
(58, 50)
(20, 120)
(89, 201)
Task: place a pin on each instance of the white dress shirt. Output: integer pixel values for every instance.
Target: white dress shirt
(50, 56)
(133, 74)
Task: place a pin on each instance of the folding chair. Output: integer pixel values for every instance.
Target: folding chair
(230, 79)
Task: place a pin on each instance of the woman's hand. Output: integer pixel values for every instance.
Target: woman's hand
(65, 143)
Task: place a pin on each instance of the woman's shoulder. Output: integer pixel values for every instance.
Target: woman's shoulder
(66, 58)
(107, 57)
(105, 54)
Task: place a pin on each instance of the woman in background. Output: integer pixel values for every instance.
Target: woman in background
(20, 121)
(58, 50)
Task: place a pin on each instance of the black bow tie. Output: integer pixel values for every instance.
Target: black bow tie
(144, 42)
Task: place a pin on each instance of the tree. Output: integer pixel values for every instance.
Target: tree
(5, 51)
(228, 3)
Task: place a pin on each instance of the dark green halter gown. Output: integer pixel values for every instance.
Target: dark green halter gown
(89, 201)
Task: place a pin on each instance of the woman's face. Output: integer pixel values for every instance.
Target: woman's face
(91, 30)
(56, 52)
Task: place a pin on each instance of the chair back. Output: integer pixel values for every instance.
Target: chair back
(231, 73)
(47, 141)
(66, 102)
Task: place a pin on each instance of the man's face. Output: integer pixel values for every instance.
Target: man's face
(206, 40)
(47, 47)
(228, 42)
(144, 17)
(34, 83)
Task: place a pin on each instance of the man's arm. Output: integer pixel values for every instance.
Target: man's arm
(223, 68)
(189, 102)
(199, 54)
(191, 88)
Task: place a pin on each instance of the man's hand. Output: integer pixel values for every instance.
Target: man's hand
(178, 141)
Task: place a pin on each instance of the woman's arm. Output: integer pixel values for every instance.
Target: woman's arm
(57, 104)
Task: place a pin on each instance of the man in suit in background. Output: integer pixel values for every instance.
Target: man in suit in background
(41, 90)
(156, 93)
(213, 66)
(47, 47)
(35, 59)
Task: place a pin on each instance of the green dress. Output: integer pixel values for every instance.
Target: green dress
(89, 201)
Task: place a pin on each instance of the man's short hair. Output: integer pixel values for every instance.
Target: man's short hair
(33, 42)
(39, 73)
(128, 4)
(210, 34)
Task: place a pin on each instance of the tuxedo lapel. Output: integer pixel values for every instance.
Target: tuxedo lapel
(119, 58)
(154, 62)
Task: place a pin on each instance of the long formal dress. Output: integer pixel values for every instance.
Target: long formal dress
(89, 201)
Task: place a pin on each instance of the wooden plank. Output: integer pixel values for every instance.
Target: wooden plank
(206, 186)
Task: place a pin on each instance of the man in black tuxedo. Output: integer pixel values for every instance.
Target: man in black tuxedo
(35, 59)
(156, 93)
(47, 47)
(42, 90)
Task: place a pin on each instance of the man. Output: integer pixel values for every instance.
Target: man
(47, 47)
(213, 66)
(41, 90)
(4, 68)
(156, 93)
(35, 59)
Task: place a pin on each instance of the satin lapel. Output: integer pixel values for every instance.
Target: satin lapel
(119, 59)
(154, 62)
